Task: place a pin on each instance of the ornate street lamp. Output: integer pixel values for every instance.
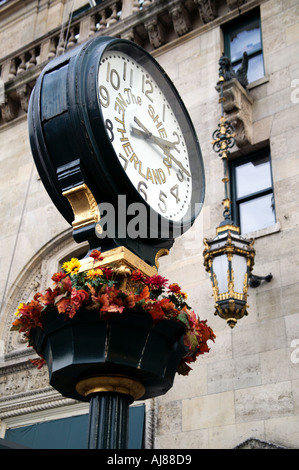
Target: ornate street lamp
(228, 258)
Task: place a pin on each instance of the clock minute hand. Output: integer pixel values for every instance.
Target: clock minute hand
(147, 132)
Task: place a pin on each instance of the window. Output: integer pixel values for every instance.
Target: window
(70, 433)
(245, 36)
(252, 192)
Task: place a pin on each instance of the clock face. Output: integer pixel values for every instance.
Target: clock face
(145, 133)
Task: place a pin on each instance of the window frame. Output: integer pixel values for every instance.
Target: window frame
(237, 25)
(237, 201)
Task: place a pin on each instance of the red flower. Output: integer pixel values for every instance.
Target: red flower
(96, 255)
(155, 310)
(67, 283)
(38, 362)
(58, 276)
(137, 276)
(49, 297)
(156, 281)
(107, 272)
(78, 297)
(175, 288)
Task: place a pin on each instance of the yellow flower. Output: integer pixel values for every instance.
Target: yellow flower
(184, 295)
(17, 313)
(71, 267)
(93, 273)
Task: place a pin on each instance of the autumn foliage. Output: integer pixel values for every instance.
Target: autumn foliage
(98, 290)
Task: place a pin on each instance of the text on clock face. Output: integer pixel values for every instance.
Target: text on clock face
(145, 134)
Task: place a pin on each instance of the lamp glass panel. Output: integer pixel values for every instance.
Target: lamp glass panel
(239, 266)
(220, 268)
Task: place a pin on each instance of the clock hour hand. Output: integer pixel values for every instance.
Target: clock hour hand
(164, 144)
(157, 140)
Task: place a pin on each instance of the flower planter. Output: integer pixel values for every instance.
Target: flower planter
(128, 344)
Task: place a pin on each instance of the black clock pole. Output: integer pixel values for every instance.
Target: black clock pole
(110, 397)
(108, 421)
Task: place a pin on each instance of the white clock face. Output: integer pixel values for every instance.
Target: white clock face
(145, 134)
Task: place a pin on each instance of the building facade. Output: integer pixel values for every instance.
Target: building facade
(245, 392)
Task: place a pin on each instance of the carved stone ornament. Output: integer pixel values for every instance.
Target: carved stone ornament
(155, 33)
(180, 19)
(206, 9)
(238, 108)
(232, 4)
(23, 92)
(9, 109)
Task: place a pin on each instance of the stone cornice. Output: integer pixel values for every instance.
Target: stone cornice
(159, 27)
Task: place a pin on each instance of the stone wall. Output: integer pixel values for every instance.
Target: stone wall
(247, 386)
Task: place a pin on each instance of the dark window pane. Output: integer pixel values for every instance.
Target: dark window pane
(248, 39)
(71, 433)
(255, 68)
(253, 176)
(257, 214)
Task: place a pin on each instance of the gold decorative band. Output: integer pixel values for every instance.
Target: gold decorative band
(111, 383)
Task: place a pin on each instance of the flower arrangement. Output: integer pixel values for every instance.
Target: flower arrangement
(97, 289)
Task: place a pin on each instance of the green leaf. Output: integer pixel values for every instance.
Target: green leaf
(183, 318)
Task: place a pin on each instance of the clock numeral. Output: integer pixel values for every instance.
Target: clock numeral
(163, 112)
(147, 88)
(141, 189)
(104, 96)
(177, 141)
(180, 175)
(109, 127)
(162, 205)
(113, 77)
(125, 74)
(125, 160)
(175, 192)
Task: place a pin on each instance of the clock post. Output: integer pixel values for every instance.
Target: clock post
(104, 136)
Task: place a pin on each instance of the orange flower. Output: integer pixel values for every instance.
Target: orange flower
(93, 273)
(155, 310)
(29, 316)
(63, 304)
(145, 294)
(167, 305)
(129, 301)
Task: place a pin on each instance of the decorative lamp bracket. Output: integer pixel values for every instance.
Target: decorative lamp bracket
(255, 281)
